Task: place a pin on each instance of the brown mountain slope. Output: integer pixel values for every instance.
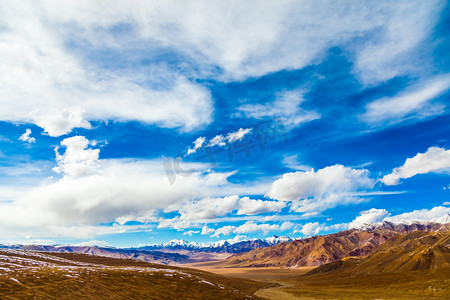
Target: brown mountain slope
(45, 275)
(319, 250)
(314, 251)
(415, 265)
(411, 252)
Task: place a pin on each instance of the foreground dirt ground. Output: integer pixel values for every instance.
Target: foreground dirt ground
(38, 275)
(291, 284)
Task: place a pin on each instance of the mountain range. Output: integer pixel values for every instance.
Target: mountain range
(174, 252)
(270, 252)
(320, 250)
(219, 247)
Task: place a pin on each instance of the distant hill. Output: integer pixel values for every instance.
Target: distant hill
(175, 252)
(320, 250)
(219, 247)
(144, 255)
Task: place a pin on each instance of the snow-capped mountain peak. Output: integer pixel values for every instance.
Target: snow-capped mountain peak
(442, 220)
(273, 240)
(220, 246)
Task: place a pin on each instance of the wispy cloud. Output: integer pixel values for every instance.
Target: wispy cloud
(286, 106)
(219, 140)
(415, 102)
(60, 89)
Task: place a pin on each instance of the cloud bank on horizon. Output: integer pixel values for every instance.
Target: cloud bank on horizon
(137, 123)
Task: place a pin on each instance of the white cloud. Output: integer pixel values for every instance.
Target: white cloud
(61, 88)
(190, 232)
(422, 215)
(175, 223)
(434, 160)
(251, 227)
(197, 144)
(238, 135)
(26, 137)
(313, 191)
(286, 226)
(391, 49)
(206, 230)
(368, 217)
(78, 159)
(286, 106)
(247, 206)
(210, 208)
(415, 102)
(291, 162)
(311, 228)
(220, 140)
(93, 243)
(58, 91)
(238, 238)
(120, 190)
(376, 216)
(225, 230)
(99, 191)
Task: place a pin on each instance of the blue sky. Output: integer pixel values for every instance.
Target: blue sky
(138, 124)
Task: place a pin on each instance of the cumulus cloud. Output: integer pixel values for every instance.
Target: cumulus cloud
(251, 227)
(286, 106)
(434, 160)
(375, 216)
(415, 102)
(370, 216)
(96, 191)
(78, 159)
(218, 140)
(238, 238)
(247, 206)
(421, 215)
(207, 231)
(315, 191)
(225, 230)
(175, 223)
(311, 228)
(26, 137)
(210, 208)
(190, 232)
